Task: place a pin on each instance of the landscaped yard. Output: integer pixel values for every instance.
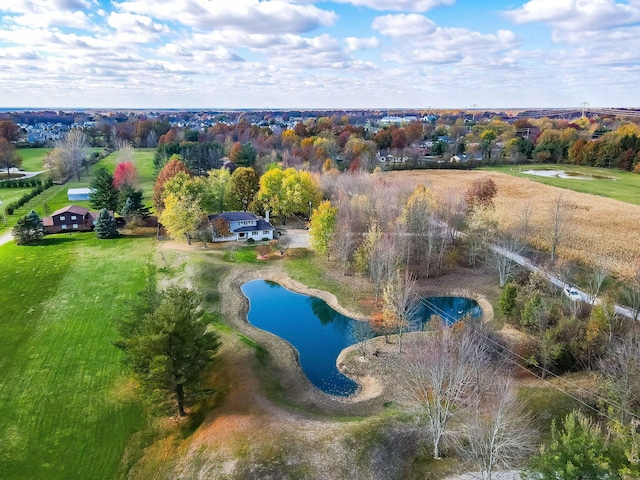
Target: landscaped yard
(67, 409)
(33, 158)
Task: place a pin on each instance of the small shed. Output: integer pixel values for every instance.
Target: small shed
(75, 194)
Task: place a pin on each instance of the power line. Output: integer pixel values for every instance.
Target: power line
(450, 318)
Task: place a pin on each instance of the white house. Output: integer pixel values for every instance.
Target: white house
(239, 226)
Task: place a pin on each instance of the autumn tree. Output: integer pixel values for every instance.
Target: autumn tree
(9, 131)
(242, 188)
(103, 192)
(125, 174)
(170, 347)
(9, 157)
(620, 374)
(322, 227)
(217, 182)
(271, 195)
(184, 200)
(481, 193)
(170, 169)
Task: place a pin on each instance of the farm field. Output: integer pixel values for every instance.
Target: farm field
(600, 227)
(66, 407)
(605, 182)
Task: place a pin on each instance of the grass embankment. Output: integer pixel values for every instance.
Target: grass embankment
(67, 408)
(33, 158)
(604, 182)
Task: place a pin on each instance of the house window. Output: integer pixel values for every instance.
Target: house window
(241, 235)
(73, 217)
(265, 232)
(75, 225)
(63, 227)
(62, 218)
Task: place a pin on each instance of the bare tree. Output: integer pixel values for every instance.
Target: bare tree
(283, 244)
(524, 226)
(504, 251)
(498, 433)
(74, 150)
(438, 373)
(620, 370)
(632, 294)
(599, 271)
(561, 214)
(401, 303)
(360, 332)
(344, 246)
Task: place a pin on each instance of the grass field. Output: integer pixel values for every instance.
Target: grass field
(605, 182)
(33, 158)
(66, 407)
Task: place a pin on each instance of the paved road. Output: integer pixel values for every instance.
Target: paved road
(525, 262)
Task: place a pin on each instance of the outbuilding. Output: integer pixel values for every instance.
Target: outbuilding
(76, 194)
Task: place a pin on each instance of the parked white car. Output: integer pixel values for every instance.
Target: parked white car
(573, 294)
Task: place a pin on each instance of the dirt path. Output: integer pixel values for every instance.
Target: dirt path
(6, 237)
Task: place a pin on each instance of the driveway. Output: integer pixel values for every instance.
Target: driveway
(299, 237)
(6, 237)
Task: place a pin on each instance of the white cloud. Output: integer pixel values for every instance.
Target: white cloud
(577, 15)
(274, 16)
(354, 43)
(400, 5)
(430, 43)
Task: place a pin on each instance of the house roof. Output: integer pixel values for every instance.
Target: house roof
(233, 216)
(75, 209)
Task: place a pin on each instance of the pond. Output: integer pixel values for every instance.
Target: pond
(565, 174)
(319, 333)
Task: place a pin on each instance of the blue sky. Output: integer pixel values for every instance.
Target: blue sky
(319, 54)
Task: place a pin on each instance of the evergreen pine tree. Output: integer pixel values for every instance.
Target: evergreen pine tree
(135, 206)
(104, 194)
(105, 225)
(28, 229)
(507, 302)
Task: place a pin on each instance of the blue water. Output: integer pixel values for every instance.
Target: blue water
(450, 309)
(316, 330)
(319, 333)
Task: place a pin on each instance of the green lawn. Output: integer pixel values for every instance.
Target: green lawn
(66, 405)
(623, 186)
(33, 158)
(143, 161)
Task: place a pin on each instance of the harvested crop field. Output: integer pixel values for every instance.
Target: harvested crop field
(599, 228)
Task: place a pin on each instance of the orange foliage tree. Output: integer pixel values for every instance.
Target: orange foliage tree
(170, 170)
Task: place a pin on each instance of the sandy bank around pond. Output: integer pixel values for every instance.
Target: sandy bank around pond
(283, 356)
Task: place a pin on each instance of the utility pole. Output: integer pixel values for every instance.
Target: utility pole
(584, 106)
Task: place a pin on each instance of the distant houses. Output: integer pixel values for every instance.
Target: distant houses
(71, 218)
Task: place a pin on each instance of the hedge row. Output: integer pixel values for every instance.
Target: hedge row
(12, 207)
(21, 183)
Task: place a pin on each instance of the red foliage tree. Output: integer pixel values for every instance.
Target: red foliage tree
(125, 174)
(170, 170)
(481, 192)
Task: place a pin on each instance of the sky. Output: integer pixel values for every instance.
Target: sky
(296, 54)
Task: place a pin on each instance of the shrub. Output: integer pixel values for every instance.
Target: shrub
(265, 239)
(10, 209)
(250, 240)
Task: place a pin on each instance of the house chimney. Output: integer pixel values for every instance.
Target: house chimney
(266, 215)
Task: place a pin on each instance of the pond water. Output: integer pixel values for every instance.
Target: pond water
(565, 175)
(319, 333)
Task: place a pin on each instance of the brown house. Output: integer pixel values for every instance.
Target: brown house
(71, 218)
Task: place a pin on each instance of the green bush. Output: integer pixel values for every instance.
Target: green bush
(250, 240)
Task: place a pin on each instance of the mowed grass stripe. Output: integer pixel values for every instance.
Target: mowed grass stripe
(66, 412)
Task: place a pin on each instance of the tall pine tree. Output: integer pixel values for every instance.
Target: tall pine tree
(28, 229)
(104, 194)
